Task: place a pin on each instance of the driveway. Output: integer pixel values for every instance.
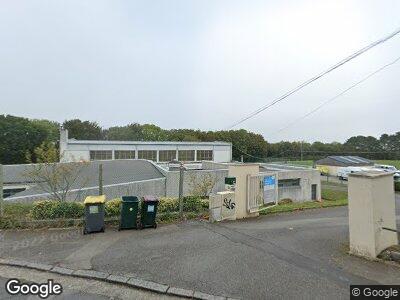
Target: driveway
(300, 255)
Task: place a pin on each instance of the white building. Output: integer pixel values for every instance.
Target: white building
(74, 150)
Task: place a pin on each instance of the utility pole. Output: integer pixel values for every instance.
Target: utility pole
(1, 191)
(241, 158)
(301, 150)
(100, 179)
(181, 170)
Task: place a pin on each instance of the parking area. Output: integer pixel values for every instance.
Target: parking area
(301, 254)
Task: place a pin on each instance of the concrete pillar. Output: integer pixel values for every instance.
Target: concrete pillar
(240, 172)
(63, 144)
(371, 207)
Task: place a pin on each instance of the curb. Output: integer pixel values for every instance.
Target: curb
(115, 279)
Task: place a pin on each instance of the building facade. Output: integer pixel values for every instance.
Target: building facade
(76, 150)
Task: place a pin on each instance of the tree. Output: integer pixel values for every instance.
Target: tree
(131, 132)
(17, 137)
(152, 132)
(202, 184)
(45, 153)
(58, 179)
(83, 130)
(51, 128)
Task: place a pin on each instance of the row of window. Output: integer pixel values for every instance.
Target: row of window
(289, 182)
(163, 155)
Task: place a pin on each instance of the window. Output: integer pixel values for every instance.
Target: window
(166, 155)
(289, 182)
(204, 155)
(124, 154)
(186, 155)
(147, 154)
(100, 154)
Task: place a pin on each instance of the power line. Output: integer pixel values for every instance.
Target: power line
(337, 96)
(306, 83)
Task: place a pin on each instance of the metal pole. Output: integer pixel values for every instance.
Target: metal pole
(100, 179)
(301, 150)
(241, 158)
(181, 170)
(1, 191)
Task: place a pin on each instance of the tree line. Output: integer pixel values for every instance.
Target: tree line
(30, 140)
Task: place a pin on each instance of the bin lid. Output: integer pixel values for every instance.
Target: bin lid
(130, 199)
(150, 198)
(95, 199)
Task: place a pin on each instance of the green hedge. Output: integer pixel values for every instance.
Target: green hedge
(190, 204)
(45, 210)
(113, 208)
(397, 186)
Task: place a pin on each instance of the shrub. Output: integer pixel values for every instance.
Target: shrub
(205, 203)
(192, 204)
(17, 210)
(68, 210)
(47, 209)
(168, 205)
(42, 209)
(113, 208)
(285, 201)
(397, 186)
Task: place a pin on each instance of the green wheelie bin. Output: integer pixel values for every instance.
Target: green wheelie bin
(94, 214)
(129, 211)
(148, 212)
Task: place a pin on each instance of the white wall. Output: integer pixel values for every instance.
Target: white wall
(76, 152)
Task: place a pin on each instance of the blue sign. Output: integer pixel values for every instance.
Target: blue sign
(269, 180)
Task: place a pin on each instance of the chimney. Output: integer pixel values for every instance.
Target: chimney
(63, 142)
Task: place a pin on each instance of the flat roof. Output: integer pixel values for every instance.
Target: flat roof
(283, 167)
(97, 142)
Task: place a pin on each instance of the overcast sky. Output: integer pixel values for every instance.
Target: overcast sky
(201, 64)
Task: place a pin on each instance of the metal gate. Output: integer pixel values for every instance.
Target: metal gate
(262, 191)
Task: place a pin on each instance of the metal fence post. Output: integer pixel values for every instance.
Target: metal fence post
(181, 170)
(100, 179)
(1, 191)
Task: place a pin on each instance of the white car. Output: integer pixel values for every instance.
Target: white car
(343, 173)
(389, 168)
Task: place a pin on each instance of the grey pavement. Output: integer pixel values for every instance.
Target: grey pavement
(301, 254)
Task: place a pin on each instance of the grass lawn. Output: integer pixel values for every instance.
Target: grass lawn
(330, 198)
(308, 163)
(395, 163)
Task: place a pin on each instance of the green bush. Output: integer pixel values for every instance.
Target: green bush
(68, 210)
(190, 204)
(48, 209)
(168, 205)
(285, 201)
(397, 186)
(113, 208)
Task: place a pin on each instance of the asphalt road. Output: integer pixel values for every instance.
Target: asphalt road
(293, 255)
